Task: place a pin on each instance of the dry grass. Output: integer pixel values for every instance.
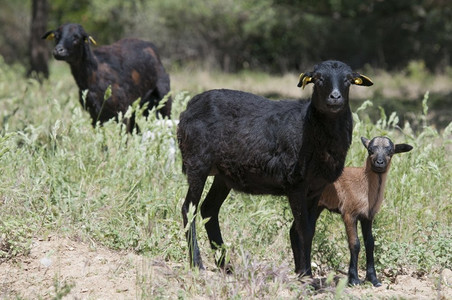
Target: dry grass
(386, 85)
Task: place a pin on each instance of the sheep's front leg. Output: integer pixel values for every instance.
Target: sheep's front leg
(371, 274)
(353, 245)
(302, 232)
(297, 246)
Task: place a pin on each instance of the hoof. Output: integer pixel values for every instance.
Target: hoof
(376, 283)
(314, 283)
(225, 266)
(354, 282)
(228, 269)
(198, 265)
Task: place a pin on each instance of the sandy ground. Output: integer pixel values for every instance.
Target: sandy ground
(60, 266)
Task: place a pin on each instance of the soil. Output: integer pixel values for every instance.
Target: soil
(59, 267)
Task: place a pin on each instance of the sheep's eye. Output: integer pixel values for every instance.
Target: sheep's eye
(75, 40)
(319, 81)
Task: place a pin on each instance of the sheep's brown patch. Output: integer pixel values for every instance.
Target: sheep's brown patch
(136, 77)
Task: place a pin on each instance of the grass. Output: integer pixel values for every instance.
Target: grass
(58, 175)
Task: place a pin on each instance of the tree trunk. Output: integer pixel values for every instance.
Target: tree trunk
(38, 51)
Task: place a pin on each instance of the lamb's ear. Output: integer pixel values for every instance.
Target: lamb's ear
(365, 142)
(304, 79)
(399, 148)
(49, 35)
(360, 79)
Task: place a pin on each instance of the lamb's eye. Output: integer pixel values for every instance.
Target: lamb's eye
(389, 150)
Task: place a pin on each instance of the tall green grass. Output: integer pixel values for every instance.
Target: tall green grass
(59, 175)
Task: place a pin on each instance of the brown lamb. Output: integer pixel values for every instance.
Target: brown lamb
(358, 195)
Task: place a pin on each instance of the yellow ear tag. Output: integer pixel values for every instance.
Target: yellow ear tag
(92, 40)
(50, 36)
(299, 79)
(358, 80)
(306, 80)
(303, 80)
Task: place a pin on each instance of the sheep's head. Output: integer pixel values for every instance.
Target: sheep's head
(332, 80)
(381, 149)
(71, 41)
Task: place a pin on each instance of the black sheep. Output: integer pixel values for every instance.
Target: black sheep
(131, 67)
(258, 146)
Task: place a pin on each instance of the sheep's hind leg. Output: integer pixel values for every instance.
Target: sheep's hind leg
(210, 209)
(193, 196)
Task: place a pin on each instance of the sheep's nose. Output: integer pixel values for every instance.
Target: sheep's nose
(335, 98)
(335, 95)
(380, 162)
(59, 50)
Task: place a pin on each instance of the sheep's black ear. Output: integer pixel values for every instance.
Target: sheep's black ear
(304, 79)
(359, 79)
(365, 142)
(49, 35)
(399, 148)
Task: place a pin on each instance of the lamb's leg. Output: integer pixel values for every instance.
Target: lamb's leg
(194, 193)
(371, 275)
(353, 245)
(209, 209)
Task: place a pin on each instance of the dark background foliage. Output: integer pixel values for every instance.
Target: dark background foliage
(268, 35)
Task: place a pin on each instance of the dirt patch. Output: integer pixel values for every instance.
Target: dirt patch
(60, 266)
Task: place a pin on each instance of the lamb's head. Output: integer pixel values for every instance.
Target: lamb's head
(332, 80)
(381, 149)
(71, 41)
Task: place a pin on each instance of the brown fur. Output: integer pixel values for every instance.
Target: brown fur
(358, 192)
(357, 195)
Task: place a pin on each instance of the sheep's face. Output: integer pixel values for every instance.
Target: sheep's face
(332, 80)
(70, 42)
(381, 150)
